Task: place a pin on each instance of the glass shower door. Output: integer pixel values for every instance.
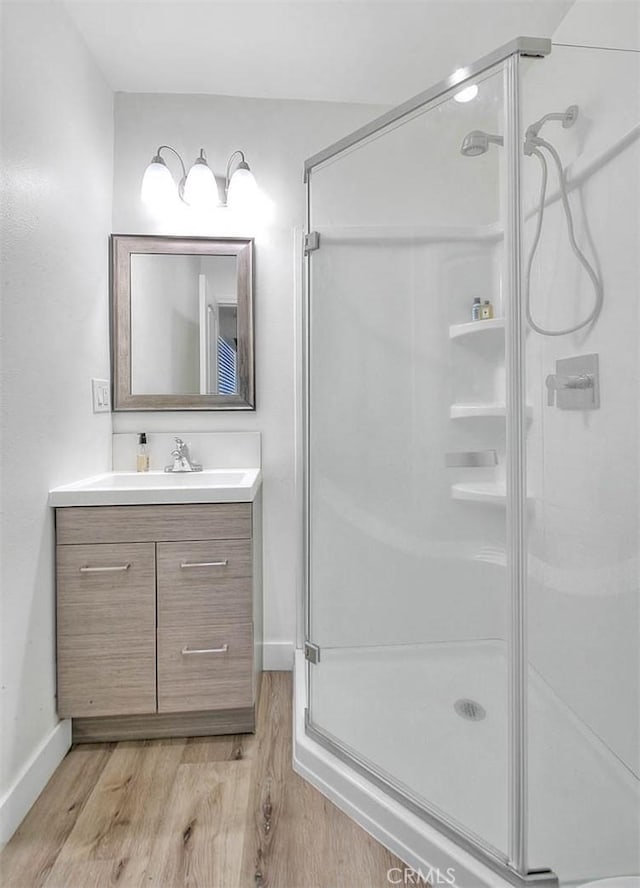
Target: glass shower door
(409, 605)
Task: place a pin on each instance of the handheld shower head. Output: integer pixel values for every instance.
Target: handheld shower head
(477, 142)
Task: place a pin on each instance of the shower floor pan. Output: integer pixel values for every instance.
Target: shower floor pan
(396, 706)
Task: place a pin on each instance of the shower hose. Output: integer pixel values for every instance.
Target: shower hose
(597, 286)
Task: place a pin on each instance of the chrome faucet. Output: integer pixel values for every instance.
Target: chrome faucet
(182, 459)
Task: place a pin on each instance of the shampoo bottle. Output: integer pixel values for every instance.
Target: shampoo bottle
(475, 311)
(142, 459)
(486, 312)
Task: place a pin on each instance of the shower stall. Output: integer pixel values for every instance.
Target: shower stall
(467, 684)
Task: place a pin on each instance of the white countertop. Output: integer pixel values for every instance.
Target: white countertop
(156, 488)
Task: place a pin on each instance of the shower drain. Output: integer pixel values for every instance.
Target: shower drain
(470, 710)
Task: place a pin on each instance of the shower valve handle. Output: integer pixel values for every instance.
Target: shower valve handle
(554, 382)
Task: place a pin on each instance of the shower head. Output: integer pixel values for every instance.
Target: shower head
(477, 142)
(567, 118)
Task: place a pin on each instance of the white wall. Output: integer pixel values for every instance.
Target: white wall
(276, 136)
(57, 145)
(611, 23)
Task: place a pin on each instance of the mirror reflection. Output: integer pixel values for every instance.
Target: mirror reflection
(184, 324)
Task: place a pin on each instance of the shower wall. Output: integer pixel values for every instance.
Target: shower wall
(583, 600)
(584, 466)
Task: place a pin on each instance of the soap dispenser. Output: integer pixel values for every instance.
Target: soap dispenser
(142, 459)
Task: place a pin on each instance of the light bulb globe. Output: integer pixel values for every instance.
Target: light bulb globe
(243, 189)
(158, 188)
(200, 187)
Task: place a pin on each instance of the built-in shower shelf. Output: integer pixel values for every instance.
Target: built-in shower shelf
(474, 327)
(470, 411)
(487, 492)
(481, 492)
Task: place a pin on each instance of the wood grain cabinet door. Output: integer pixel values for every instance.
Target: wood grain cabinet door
(106, 616)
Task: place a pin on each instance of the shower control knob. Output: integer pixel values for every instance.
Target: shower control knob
(577, 387)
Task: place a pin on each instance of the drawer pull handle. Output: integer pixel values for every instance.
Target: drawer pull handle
(221, 650)
(204, 564)
(115, 567)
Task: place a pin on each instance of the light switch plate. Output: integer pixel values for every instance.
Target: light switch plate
(101, 395)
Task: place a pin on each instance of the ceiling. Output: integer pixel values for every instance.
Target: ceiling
(372, 52)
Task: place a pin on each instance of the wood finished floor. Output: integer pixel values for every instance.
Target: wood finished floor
(212, 812)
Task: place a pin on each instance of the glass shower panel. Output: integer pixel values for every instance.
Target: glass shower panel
(584, 471)
(408, 598)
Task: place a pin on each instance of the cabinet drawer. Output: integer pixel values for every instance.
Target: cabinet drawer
(107, 673)
(141, 524)
(105, 588)
(204, 583)
(210, 667)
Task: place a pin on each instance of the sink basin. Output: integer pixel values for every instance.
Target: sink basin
(147, 480)
(146, 488)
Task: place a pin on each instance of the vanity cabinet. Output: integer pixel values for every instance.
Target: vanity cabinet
(158, 619)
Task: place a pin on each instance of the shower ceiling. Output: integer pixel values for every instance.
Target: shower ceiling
(372, 52)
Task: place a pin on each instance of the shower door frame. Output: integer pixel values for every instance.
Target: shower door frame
(513, 866)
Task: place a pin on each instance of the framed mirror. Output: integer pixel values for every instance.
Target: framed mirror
(182, 323)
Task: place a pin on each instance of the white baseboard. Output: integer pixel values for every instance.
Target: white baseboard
(277, 656)
(32, 779)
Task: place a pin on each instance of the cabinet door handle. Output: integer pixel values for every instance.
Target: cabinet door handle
(220, 650)
(87, 569)
(204, 564)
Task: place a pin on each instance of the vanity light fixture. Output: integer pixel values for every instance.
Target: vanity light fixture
(198, 188)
